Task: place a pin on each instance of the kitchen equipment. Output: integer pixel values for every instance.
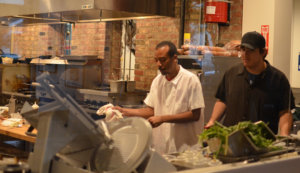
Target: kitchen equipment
(241, 139)
(13, 76)
(71, 11)
(119, 86)
(7, 60)
(70, 139)
(72, 72)
(12, 105)
(15, 168)
(130, 86)
(132, 140)
(296, 127)
(192, 63)
(239, 145)
(255, 157)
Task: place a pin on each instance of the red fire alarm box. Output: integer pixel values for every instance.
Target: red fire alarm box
(216, 12)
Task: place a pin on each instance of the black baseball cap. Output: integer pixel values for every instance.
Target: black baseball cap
(253, 40)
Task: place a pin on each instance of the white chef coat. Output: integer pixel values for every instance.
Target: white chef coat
(181, 94)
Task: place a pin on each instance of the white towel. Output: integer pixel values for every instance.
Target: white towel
(110, 114)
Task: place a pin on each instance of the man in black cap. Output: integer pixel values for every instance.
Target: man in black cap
(254, 90)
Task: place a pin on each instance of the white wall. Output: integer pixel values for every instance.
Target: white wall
(257, 13)
(282, 35)
(278, 15)
(295, 74)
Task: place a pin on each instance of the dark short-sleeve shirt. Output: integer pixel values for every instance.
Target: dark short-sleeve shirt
(261, 99)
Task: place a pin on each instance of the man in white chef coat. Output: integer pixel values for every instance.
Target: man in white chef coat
(174, 104)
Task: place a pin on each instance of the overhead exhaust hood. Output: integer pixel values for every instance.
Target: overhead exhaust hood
(14, 12)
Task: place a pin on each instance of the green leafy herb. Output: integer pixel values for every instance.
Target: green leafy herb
(257, 132)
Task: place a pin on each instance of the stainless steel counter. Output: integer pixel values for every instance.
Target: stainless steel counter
(123, 98)
(278, 164)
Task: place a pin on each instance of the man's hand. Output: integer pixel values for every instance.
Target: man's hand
(118, 108)
(209, 124)
(155, 121)
(218, 111)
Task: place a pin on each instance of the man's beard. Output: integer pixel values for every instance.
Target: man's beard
(163, 72)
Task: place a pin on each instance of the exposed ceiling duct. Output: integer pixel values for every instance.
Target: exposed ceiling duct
(14, 12)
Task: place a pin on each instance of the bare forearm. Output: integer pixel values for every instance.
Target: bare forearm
(175, 118)
(218, 110)
(285, 123)
(182, 117)
(142, 112)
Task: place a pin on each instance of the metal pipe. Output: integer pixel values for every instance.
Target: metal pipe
(131, 27)
(202, 23)
(182, 22)
(124, 61)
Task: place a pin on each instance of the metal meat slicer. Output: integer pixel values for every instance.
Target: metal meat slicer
(69, 140)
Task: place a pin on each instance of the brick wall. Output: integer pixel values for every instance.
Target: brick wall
(234, 30)
(36, 40)
(88, 39)
(149, 33)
